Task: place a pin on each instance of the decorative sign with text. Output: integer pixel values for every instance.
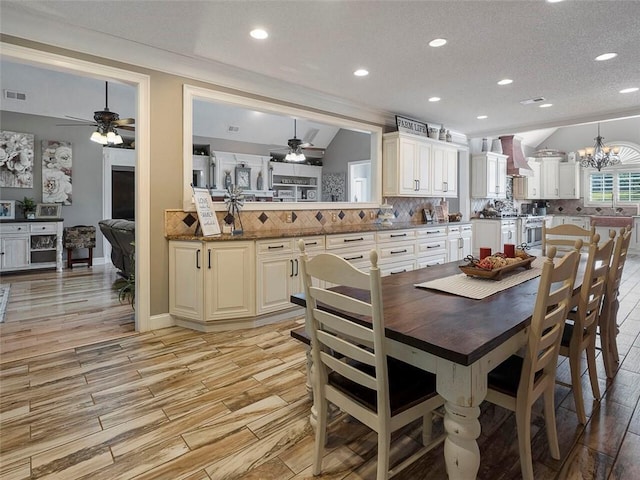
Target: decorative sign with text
(407, 125)
(206, 213)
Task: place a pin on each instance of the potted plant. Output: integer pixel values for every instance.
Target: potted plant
(126, 287)
(28, 206)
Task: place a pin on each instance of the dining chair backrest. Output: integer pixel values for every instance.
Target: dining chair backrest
(564, 236)
(593, 285)
(608, 315)
(547, 323)
(617, 261)
(341, 342)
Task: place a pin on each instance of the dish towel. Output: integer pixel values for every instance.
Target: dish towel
(479, 288)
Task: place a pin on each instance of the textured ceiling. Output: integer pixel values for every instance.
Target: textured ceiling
(547, 49)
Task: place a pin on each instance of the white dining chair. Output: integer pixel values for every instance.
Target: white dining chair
(350, 368)
(564, 236)
(580, 329)
(518, 382)
(608, 321)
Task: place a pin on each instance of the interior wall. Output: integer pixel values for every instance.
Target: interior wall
(347, 146)
(86, 180)
(570, 139)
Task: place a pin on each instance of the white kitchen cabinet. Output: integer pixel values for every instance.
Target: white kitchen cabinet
(445, 171)
(431, 246)
(290, 182)
(550, 178)
(211, 281)
(534, 191)
(30, 245)
(459, 241)
(493, 233)
(407, 165)
(489, 175)
(278, 273)
(635, 235)
(569, 178)
(582, 221)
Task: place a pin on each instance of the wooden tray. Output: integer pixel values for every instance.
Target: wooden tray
(496, 273)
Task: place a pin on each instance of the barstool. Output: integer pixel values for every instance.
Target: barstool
(79, 236)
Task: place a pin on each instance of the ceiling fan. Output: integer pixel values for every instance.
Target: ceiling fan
(296, 146)
(106, 122)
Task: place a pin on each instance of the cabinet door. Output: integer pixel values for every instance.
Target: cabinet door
(407, 168)
(186, 280)
(550, 178)
(445, 172)
(492, 176)
(230, 279)
(569, 174)
(453, 248)
(275, 282)
(501, 177)
(423, 169)
(533, 182)
(15, 252)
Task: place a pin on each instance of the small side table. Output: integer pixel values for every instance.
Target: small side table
(79, 236)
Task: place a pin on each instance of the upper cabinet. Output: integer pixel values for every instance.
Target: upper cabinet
(489, 175)
(533, 182)
(418, 167)
(550, 178)
(569, 174)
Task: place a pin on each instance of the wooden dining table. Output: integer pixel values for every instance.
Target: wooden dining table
(459, 339)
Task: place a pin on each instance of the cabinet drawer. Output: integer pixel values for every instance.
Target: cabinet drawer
(395, 236)
(397, 267)
(367, 239)
(430, 233)
(43, 228)
(274, 247)
(13, 228)
(430, 261)
(395, 252)
(311, 244)
(432, 247)
(357, 256)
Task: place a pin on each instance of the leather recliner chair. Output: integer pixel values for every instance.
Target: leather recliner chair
(120, 234)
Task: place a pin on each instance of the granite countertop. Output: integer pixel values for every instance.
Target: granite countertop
(308, 232)
(30, 220)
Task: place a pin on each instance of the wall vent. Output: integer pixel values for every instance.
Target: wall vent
(13, 95)
(233, 129)
(529, 101)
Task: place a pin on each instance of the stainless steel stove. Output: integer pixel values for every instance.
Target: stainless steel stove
(531, 229)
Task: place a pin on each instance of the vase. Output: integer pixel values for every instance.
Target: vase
(227, 180)
(485, 147)
(259, 182)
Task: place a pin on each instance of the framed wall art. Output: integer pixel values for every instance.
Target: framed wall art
(7, 209)
(57, 162)
(16, 166)
(48, 210)
(243, 177)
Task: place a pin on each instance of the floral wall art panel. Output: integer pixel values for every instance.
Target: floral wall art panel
(334, 187)
(16, 159)
(57, 160)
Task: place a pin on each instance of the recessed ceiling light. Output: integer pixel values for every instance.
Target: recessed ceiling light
(434, 99)
(546, 105)
(481, 117)
(259, 34)
(361, 72)
(505, 81)
(629, 90)
(554, 1)
(606, 56)
(437, 42)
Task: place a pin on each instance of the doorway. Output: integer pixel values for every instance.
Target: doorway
(360, 181)
(141, 82)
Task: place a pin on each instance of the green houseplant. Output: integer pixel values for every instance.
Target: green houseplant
(28, 206)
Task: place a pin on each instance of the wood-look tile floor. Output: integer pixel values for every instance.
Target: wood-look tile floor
(178, 404)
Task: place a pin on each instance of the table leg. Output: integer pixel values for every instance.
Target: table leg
(463, 389)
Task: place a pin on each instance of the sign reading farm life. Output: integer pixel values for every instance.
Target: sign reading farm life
(206, 214)
(411, 126)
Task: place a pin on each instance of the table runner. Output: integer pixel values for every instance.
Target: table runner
(479, 288)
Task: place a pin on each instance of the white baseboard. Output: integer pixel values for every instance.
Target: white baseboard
(163, 320)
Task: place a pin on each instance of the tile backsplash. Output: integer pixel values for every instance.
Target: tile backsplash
(406, 210)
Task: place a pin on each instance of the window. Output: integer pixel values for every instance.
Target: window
(617, 185)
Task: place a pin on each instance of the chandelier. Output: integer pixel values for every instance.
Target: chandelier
(599, 156)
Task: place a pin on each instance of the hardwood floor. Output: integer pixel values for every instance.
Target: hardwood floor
(178, 404)
(48, 311)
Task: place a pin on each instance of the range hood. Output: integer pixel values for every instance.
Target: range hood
(517, 165)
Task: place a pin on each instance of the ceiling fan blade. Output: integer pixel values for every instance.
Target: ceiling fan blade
(308, 137)
(79, 119)
(123, 121)
(125, 127)
(76, 124)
